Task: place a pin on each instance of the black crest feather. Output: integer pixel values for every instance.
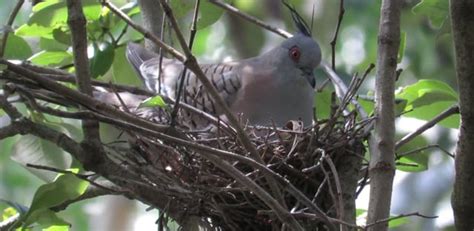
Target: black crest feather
(298, 20)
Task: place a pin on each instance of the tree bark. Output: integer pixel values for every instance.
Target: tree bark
(382, 162)
(462, 21)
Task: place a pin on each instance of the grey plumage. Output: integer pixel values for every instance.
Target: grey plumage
(274, 87)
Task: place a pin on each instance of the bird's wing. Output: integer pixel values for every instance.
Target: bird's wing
(225, 78)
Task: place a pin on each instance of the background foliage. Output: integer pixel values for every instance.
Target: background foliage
(426, 83)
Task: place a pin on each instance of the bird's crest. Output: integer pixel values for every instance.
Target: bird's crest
(298, 20)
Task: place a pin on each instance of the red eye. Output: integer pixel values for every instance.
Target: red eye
(295, 53)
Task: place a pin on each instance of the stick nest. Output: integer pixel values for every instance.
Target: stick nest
(323, 162)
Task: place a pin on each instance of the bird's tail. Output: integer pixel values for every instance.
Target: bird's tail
(137, 55)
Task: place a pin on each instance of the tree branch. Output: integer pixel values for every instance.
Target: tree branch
(429, 124)
(8, 26)
(463, 38)
(382, 162)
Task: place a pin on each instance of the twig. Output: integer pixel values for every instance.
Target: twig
(249, 18)
(143, 31)
(107, 188)
(193, 31)
(281, 212)
(134, 90)
(443, 115)
(340, 202)
(80, 98)
(424, 148)
(336, 33)
(78, 175)
(341, 222)
(386, 220)
(8, 26)
(9, 223)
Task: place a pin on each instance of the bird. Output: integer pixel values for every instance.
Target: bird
(270, 89)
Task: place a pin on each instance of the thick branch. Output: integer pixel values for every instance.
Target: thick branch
(382, 162)
(462, 21)
(77, 23)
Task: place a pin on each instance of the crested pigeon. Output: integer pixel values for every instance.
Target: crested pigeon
(270, 89)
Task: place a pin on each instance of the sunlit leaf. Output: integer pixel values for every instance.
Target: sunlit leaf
(8, 212)
(102, 60)
(433, 88)
(65, 187)
(17, 48)
(51, 58)
(54, 13)
(436, 10)
(428, 98)
(35, 31)
(57, 228)
(155, 101)
(13, 209)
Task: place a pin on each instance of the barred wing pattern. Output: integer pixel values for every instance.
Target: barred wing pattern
(222, 76)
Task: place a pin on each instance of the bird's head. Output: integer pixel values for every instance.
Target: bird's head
(302, 50)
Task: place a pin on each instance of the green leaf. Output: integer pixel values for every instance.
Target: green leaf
(122, 72)
(421, 92)
(436, 10)
(48, 219)
(413, 163)
(57, 228)
(8, 212)
(397, 222)
(102, 60)
(17, 48)
(322, 102)
(54, 13)
(429, 112)
(401, 48)
(181, 7)
(428, 98)
(155, 101)
(51, 58)
(52, 45)
(16, 207)
(31, 149)
(65, 187)
(35, 31)
(360, 212)
(62, 35)
(208, 14)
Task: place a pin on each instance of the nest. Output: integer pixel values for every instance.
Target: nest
(322, 162)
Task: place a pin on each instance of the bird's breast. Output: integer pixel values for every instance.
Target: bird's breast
(263, 101)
